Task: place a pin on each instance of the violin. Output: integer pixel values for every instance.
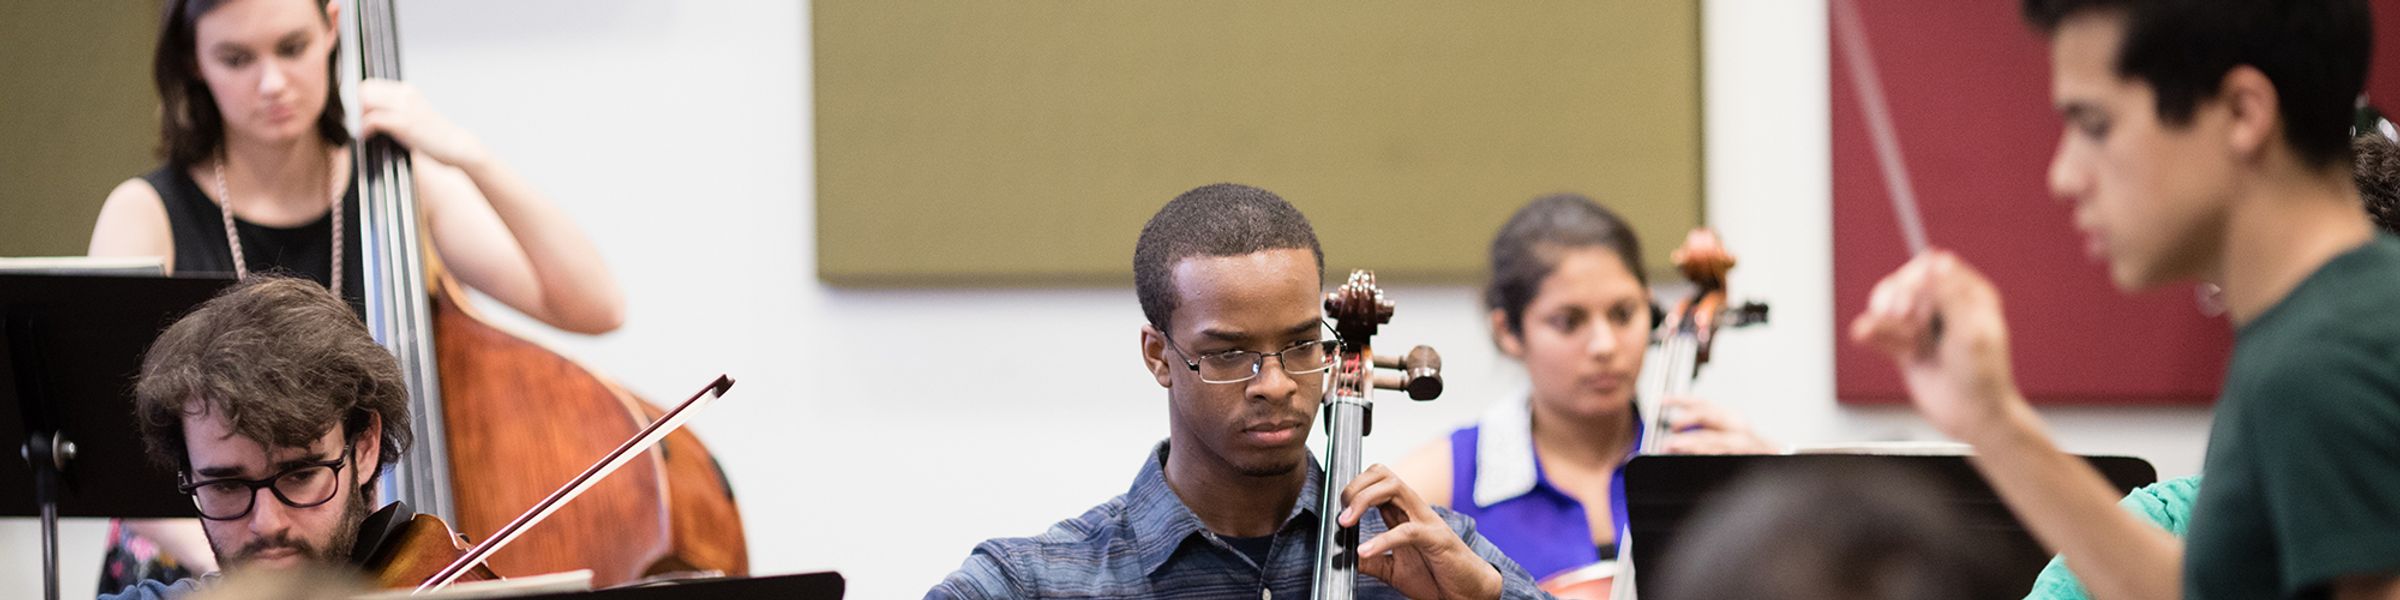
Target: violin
(1358, 308)
(404, 548)
(422, 552)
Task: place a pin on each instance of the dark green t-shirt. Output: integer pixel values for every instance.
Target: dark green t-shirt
(2304, 457)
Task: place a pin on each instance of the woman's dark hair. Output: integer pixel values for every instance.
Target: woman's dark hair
(190, 128)
(1530, 246)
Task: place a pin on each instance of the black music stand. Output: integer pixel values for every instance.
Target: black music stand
(825, 585)
(70, 347)
(1662, 492)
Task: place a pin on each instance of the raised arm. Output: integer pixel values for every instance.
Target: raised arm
(498, 233)
(1941, 322)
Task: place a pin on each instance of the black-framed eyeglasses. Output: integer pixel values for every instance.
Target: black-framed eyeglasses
(303, 486)
(1305, 358)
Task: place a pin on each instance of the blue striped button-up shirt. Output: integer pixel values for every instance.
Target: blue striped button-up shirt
(1147, 544)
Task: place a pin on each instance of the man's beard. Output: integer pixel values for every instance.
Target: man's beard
(337, 550)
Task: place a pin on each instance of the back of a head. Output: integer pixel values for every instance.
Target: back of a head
(280, 360)
(2378, 177)
(1825, 534)
(2314, 51)
(1223, 219)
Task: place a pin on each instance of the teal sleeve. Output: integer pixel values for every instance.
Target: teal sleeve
(2167, 504)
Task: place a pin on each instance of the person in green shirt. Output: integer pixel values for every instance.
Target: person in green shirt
(2205, 140)
(2168, 503)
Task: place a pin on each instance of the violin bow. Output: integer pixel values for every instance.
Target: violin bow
(631, 449)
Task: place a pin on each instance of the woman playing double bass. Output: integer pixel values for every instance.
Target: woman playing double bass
(257, 158)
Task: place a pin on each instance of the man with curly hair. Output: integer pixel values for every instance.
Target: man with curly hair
(277, 412)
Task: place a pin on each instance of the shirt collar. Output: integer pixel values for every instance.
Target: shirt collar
(1505, 466)
(1161, 522)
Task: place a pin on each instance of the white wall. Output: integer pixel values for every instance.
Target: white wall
(883, 432)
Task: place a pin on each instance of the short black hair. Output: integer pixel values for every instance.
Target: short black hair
(1220, 219)
(2377, 173)
(1530, 245)
(2314, 51)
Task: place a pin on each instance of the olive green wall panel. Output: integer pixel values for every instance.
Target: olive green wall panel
(1026, 142)
(77, 116)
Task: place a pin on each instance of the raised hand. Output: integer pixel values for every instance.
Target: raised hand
(1940, 320)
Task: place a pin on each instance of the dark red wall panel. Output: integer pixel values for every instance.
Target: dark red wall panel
(2383, 80)
(1968, 86)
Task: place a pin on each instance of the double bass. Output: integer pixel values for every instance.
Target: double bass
(501, 420)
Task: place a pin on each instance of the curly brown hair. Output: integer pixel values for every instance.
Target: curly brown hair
(281, 360)
(2377, 172)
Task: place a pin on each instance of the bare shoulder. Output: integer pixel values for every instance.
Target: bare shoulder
(1427, 470)
(133, 222)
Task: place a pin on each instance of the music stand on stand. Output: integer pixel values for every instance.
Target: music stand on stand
(70, 347)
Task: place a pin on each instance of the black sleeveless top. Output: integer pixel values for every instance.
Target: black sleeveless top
(198, 225)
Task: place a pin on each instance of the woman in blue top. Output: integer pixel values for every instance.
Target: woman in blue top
(1567, 298)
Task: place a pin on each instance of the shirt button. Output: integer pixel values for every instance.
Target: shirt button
(1266, 594)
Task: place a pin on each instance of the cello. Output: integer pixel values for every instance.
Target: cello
(502, 419)
(1690, 329)
(1358, 309)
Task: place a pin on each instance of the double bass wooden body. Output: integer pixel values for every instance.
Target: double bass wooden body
(502, 421)
(522, 419)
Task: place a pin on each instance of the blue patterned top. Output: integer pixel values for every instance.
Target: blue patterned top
(1148, 544)
(1496, 479)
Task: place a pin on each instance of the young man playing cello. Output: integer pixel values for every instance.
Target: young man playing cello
(2206, 139)
(278, 412)
(1229, 279)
